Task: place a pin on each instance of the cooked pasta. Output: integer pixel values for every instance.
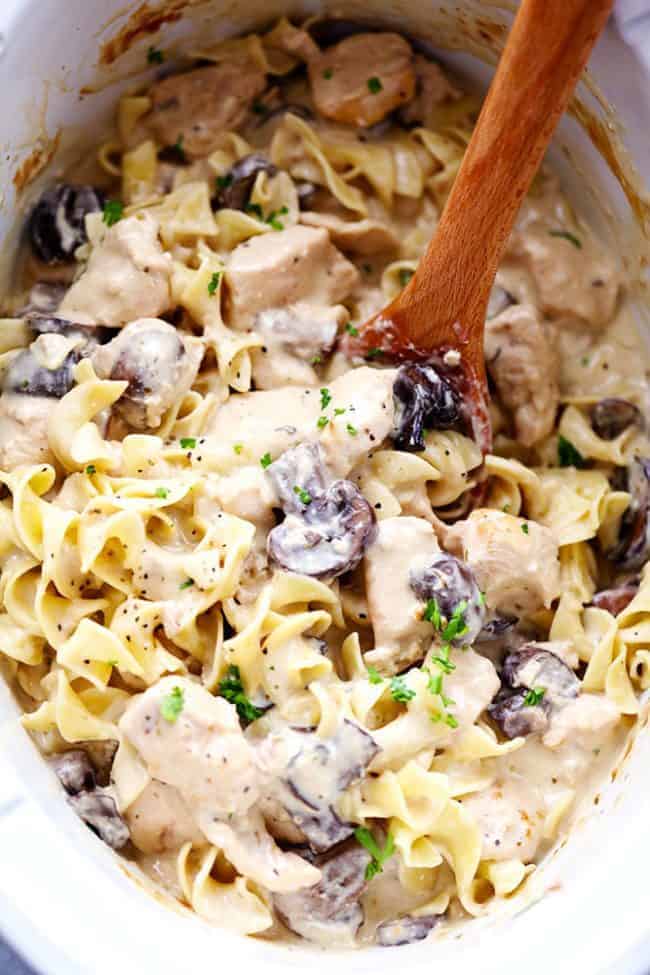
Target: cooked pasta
(288, 639)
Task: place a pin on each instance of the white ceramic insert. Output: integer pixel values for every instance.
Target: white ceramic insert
(65, 901)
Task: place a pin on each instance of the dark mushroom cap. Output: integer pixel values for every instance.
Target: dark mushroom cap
(98, 811)
(75, 771)
(301, 467)
(406, 930)
(330, 538)
(451, 582)
(240, 179)
(28, 377)
(617, 599)
(610, 417)
(57, 224)
(533, 667)
(424, 400)
(515, 717)
(633, 547)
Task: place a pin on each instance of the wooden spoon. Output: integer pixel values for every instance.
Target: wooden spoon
(443, 307)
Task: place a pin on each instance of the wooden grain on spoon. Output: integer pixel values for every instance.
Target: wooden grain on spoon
(444, 305)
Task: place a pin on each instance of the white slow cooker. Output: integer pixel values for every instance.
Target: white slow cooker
(66, 903)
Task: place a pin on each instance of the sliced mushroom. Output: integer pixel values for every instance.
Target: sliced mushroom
(633, 547)
(424, 400)
(57, 224)
(239, 181)
(75, 771)
(330, 912)
(452, 584)
(317, 771)
(28, 376)
(158, 364)
(515, 716)
(50, 325)
(329, 538)
(611, 417)
(405, 930)
(44, 298)
(617, 599)
(299, 473)
(98, 810)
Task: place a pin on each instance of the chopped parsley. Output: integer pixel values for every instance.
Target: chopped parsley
(567, 454)
(223, 182)
(172, 705)
(188, 443)
(266, 461)
(155, 56)
(450, 720)
(351, 430)
(351, 330)
(232, 689)
(434, 683)
(432, 613)
(238, 447)
(91, 469)
(379, 856)
(325, 398)
(113, 211)
(584, 361)
(405, 275)
(442, 660)
(374, 353)
(374, 85)
(506, 508)
(524, 528)
(177, 152)
(213, 284)
(534, 696)
(481, 599)
(255, 209)
(315, 360)
(304, 496)
(328, 73)
(339, 410)
(456, 625)
(566, 235)
(322, 422)
(162, 492)
(374, 676)
(186, 584)
(273, 221)
(400, 691)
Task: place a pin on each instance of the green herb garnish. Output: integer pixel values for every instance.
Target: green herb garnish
(567, 454)
(223, 182)
(304, 496)
(322, 422)
(400, 691)
(328, 73)
(351, 330)
(534, 696)
(351, 430)
(255, 209)
(91, 469)
(186, 584)
(232, 689)
(325, 398)
(113, 211)
(162, 492)
(566, 235)
(379, 856)
(266, 461)
(155, 56)
(432, 613)
(374, 676)
(374, 353)
(374, 85)
(524, 528)
(238, 447)
(172, 705)
(188, 443)
(213, 283)
(456, 625)
(405, 275)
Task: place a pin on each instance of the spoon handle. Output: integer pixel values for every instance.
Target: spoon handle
(546, 51)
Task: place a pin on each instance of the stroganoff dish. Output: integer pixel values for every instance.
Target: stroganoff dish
(289, 642)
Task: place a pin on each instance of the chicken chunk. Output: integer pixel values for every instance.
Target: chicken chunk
(511, 820)
(515, 561)
(159, 364)
(201, 751)
(193, 741)
(272, 421)
(402, 546)
(587, 715)
(363, 78)
(364, 237)
(433, 88)
(127, 276)
(573, 275)
(524, 366)
(23, 430)
(193, 109)
(296, 269)
(159, 820)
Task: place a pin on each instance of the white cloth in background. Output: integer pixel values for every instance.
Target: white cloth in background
(633, 21)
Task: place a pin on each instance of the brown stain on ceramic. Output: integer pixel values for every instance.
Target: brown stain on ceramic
(40, 157)
(143, 21)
